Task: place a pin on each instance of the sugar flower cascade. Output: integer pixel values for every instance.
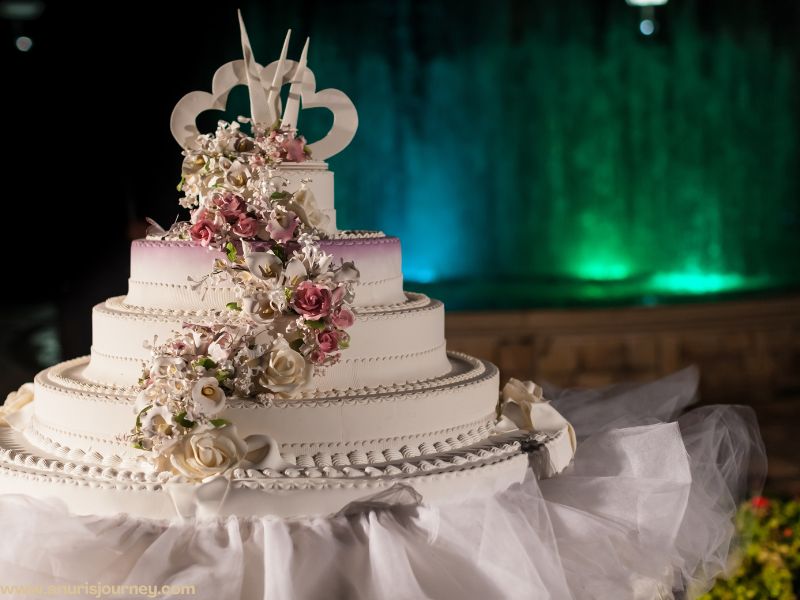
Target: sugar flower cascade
(292, 304)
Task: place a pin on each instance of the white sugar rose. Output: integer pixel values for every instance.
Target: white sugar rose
(222, 346)
(184, 345)
(208, 397)
(264, 265)
(304, 206)
(285, 368)
(207, 453)
(295, 271)
(517, 398)
(157, 421)
(143, 399)
(167, 366)
(15, 401)
(522, 406)
(313, 257)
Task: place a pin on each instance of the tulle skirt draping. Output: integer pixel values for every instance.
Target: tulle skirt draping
(646, 511)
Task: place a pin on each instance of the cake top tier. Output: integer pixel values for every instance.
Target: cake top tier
(274, 128)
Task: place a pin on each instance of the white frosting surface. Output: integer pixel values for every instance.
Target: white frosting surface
(317, 178)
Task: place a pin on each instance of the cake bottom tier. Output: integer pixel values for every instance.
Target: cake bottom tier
(86, 487)
(74, 418)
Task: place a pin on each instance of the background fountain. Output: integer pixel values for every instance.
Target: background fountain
(564, 150)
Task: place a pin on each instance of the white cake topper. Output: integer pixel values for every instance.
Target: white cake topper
(265, 102)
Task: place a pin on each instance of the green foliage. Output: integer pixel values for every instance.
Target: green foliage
(768, 563)
(181, 420)
(279, 251)
(139, 417)
(230, 251)
(206, 362)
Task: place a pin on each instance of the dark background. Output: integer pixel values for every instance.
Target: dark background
(528, 153)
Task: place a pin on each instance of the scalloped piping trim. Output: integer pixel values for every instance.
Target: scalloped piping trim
(118, 357)
(375, 282)
(355, 234)
(350, 361)
(362, 360)
(489, 451)
(40, 430)
(144, 243)
(311, 166)
(478, 372)
(116, 306)
(41, 440)
(190, 286)
(369, 481)
(342, 241)
(349, 452)
(348, 456)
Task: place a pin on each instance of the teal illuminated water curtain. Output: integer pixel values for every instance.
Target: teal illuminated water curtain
(535, 140)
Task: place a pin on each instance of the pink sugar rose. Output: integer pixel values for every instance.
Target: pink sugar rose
(230, 205)
(342, 318)
(203, 231)
(328, 341)
(317, 357)
(337, 295)
(294, 149)
(282, 225)
(246, 227)
(311, 300)
(201, 214)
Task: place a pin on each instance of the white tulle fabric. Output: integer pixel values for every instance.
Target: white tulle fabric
(644, 512)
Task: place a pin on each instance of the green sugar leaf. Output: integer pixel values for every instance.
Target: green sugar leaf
(205, 362)
(181, 420)
(230, 250)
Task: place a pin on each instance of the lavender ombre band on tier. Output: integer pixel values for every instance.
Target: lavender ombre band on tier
(163, 272)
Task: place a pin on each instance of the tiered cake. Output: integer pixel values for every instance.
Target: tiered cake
(224, 382)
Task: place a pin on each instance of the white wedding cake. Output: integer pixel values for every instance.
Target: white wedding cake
(263, 361)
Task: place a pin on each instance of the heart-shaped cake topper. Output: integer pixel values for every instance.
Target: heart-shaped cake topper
(264, 85)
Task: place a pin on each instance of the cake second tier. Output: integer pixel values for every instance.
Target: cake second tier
(390, 344)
